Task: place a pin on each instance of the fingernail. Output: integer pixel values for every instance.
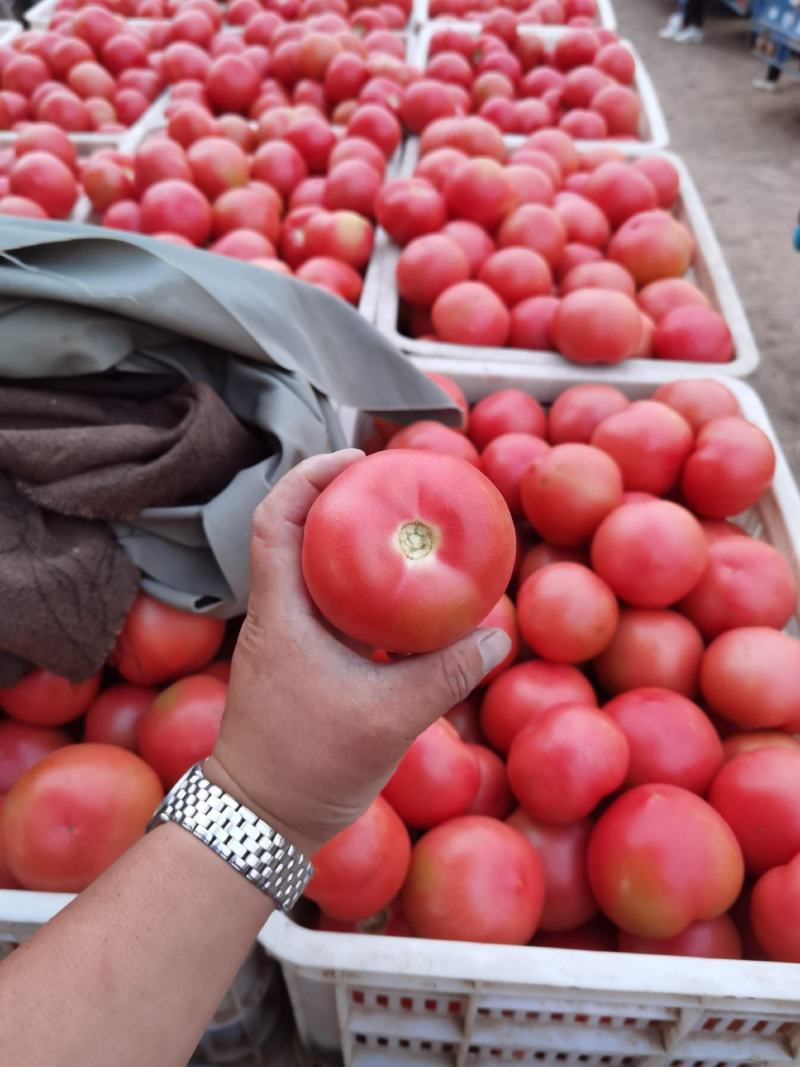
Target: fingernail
(494, 646)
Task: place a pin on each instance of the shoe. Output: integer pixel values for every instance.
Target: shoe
(689, 35)
(673, 25)
(765, 85)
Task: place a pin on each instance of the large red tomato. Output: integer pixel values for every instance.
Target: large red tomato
(651, 648)
(577, 412)
(360, 870)
(659, 298)
(775, 912)
(181, 725)
(758, 794)
(715, 939)
(660, 858)
(730, 467)
(505, 411)
(428, 266)
(22, 746)
(430, 436)
(698, 400)
(436, 779)
(159, 642)
(649, 441)
(526, 691)
(474, 879)
(566, 613)
(568, 900)
(504, 461)
(48, 181)
(470, 313)
(409, 574)
(481, 191)
(176, 206)
(74, 813)
(695, 333)
(503, 616)
(562, 764)
(751, 676)
(494, 795)
(670, 739)
(113, 719)
(46, 699)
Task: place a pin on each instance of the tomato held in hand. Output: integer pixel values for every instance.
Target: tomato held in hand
(436, 779)
(503, 616)
(22, 746)
(474, 879)
(181, 726)
(74, 813)
(568, 900)
(408, 551)
(713, 939)
(159, 642)
(563, 764)
(360, 870)
(46, 699)
(670, 739)
(566, 613)
(661, 858)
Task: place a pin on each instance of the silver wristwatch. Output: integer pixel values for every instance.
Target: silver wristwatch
(237, 835)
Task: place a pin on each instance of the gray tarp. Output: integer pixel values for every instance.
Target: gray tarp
(80, 300)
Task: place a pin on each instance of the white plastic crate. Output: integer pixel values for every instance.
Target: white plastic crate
(9, 29)
(606, 16)
(710, 272)
(653, 131)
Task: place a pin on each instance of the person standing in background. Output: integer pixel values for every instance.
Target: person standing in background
(686, 25)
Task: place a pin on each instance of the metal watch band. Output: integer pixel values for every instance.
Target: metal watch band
(237, 835)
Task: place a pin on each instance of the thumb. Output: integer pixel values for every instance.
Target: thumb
(428, 686)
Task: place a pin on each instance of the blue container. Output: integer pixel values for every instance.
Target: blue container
(776, 30)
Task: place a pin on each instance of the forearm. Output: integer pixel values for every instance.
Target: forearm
(133, 970)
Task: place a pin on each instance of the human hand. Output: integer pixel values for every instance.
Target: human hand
(312, 729)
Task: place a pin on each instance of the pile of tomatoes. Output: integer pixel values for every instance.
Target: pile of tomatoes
(628, 777)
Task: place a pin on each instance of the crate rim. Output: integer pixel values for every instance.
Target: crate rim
(607, 18)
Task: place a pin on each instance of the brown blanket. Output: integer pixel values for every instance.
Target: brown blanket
(75, 452)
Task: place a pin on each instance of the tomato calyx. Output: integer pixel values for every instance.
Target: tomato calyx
(416, 539)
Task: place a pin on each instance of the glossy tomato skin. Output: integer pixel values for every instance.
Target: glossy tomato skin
(74, 813)
(747, 741)
(566, 613)
(22, 746)
(430, 436)
(660, 858)
(577, 412)
(525, 692)
(360, 870)
(651, 648)
(504, 461)
(713, 939)
(113, 718)
(775, 912)
(563, 763)
(470, 313)
(159, 642)
(436, 779)
(42, 698)
(406, 573)
(751, 676)
(758, 795)
(699, 401)
(474, 879)
(568, 900)
(506, 411)
(649, 441)
(731, 465)
(181, 725)
(670, 739)
(493, 797)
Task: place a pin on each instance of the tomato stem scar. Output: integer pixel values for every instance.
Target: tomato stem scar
(416, 539)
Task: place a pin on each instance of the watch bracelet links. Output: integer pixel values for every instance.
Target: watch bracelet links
(237, 835)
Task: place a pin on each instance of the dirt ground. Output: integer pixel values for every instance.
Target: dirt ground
(743, 148)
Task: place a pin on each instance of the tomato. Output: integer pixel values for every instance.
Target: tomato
(584, 221)
(532, 185)
(453, 391)
(577, 412)
(159, 160)
(428, 266)
(651, 648)
(314, 139)
(531, 323)
(105, 183)
(181, 725)
(736, 744)
(352, 185)
(559, 146)
(505, 411)
(670, 739)
(569, 492)
(661, 858)
(177, 207)
(342, 235)
(621, 110)
(123, 215)
(493, 797)
(503, 616)
(715, 939)
(536, 227)
(470, 313)
(464, 717)
(474, 241)
(652, 245)
(232, 84)
(543, 554)
(7, 879)
(515, 274)
(45, 137)
(620, 191)
(596, 326)
(409, 207)
(659, 298)
(360, 870)
(524, 693)
(731, 466)
(361, 149)
(775, 912)
(113, 718)
(599, 274)
(409, 575)
(562, 764)
(698, 400)
(376, 124)
(280, 165)
(23, 746)
(474, 879)
(432, 436)
(47, 181)
(217, 165)
(568, 900)
(481, 191)
(159, 642)
(649, 441)
(697, 334)
(436, 780)
(566, 613)
(504, 461)
(74, 813)
(751, 676)
(598, 935)
(46, 699)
